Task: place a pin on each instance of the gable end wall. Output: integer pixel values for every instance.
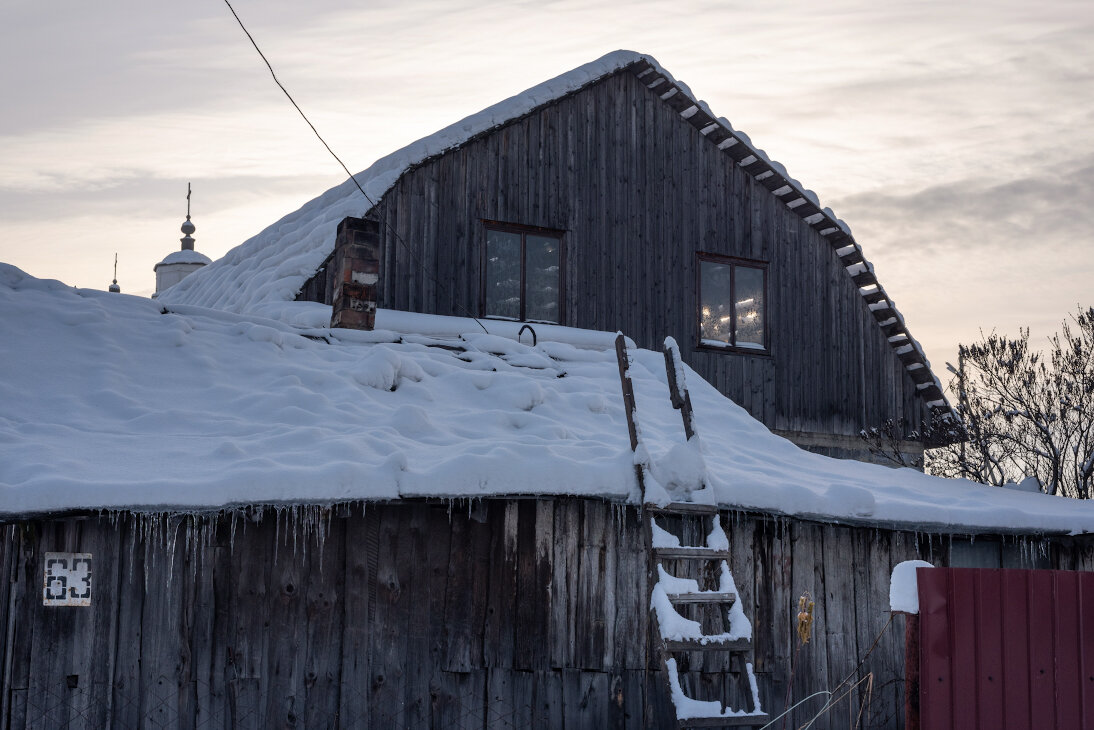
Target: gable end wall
(639, 191)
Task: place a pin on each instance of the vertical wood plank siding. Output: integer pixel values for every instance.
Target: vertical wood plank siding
(500, 613)
(638, 191)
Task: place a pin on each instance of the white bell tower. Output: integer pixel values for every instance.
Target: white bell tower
(180, 264)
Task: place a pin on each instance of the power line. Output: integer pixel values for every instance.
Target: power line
(404, 244)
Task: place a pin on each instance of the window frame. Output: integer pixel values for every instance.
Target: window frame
(702, 257)
(524, 231)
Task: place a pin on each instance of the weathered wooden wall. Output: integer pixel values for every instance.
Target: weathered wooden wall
(503, 613)
(639, 191)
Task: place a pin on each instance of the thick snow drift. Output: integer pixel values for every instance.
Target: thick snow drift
(106, 401)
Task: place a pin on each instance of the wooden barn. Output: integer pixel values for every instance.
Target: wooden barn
(219, 510)
(611, 199)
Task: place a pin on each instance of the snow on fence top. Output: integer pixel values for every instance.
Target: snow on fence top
(263, 274)
(110, 401)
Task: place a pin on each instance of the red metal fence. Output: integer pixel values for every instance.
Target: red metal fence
(1005, 649)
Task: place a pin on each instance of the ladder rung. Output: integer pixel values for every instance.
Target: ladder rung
(694, 645)
(683, 508)
(703, 597)
(698, 553)
(731, 721)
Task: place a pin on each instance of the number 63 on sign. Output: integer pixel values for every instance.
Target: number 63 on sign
(66, 579)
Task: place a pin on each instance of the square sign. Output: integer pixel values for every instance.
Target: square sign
(67, 579)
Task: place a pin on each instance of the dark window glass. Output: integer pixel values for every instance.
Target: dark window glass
(732, 304)
(523, 275)
(503, 274)
(716, 317)
(542, 278)
(748, 295)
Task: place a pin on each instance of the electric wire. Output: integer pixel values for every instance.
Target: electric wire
(394, 233)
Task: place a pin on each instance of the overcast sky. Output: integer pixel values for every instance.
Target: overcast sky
(956, 138)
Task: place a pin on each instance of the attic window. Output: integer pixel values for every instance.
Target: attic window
(522, 273)
(732, 303)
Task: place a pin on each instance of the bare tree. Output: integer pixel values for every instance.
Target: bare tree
(887, 443)
(1026, 412)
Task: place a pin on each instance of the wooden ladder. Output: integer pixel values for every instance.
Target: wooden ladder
(669, 593)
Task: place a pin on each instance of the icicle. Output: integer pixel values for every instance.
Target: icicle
(232, 531)
(170, 536)
(277, 531)
(294, 517)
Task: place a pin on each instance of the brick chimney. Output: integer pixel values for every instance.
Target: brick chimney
(354, 274)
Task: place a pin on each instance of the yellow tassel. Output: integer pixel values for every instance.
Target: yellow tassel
(805, 617)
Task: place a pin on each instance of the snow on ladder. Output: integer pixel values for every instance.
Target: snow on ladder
(671, 594)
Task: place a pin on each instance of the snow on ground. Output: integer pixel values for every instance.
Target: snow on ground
(106, 402)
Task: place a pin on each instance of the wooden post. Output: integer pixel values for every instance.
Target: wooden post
(911, 672)
(681, 399)
(628, 389)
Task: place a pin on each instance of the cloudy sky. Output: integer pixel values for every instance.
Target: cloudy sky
(956, 137)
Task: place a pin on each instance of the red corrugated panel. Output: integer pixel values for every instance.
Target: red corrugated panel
(935, 690)
(1069, 697)
(1041, 621)
(1086, 633)
(989, 642)
(1007, 649)
(962, 610)
(1016, 650)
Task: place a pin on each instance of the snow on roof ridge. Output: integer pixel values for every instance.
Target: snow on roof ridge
(235, 283)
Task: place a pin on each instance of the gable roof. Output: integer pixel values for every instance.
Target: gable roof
(264, 274)
(115, 402)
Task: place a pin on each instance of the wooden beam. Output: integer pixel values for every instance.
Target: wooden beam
(807, 208)
(628, 389)
(681, 399)
(774, 182)
(690, 553)
(719, 135)
(739, 151)
(931, 392)
(678, 101)
(701, 598)
(839, 239)
(692, 645)
(921, 375)
(757, 166)
(683, 508)
(700, 119)
(874, 296)
(884, 313)
(853, 257)
(910, 357)
(729, 721)
(866, 278)
(894, 329)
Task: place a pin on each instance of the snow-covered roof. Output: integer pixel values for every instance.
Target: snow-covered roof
(264, 274)
(184, 256)
(117, 402)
